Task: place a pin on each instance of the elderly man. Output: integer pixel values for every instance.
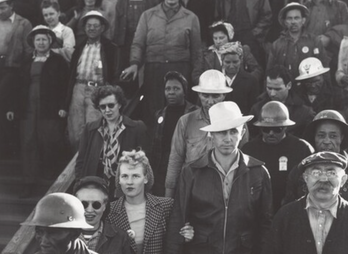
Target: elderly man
(327, 132)
(93, 63)
(316, 223)
(175, 91)
(59, 220)
(189, 143)
(279, 150)
(315, 91)
(295, 44)
(13, 47)
(93, 191)
(225, 194)
(279, 88)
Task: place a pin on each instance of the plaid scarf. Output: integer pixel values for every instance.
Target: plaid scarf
(111, 147)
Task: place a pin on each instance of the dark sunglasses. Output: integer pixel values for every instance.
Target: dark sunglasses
(109, 105)
(274, 129)
(95, 204)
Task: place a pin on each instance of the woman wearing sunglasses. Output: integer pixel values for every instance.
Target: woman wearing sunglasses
(141, 214)
(93, 192)
(103, 140)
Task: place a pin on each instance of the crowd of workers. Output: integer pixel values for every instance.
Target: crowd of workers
(237, 140)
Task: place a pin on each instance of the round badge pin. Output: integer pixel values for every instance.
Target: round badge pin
(160, 119)
(305, 49)
(131, 233)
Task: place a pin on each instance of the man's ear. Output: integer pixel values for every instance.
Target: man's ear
(289, 85)
(344, 179)
(305, 177)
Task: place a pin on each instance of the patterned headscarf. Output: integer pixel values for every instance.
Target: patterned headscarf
(225, 26)
(232, 47)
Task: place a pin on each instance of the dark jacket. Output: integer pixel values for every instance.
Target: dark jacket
(91, 144)
(291, 231)
(306, 46)
(53, 86)
(245, 91)
(77, 247)
(157, 214)
(113, 240)
(121, 19)
(249, 62)
(108, 52)
(236, 227)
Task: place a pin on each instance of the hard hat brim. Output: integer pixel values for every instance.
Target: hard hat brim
(199, 89)
(280, 124)
(70, 224)
(307, 76)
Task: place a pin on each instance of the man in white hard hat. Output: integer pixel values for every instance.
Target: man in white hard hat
(93, 64)
(59, 220)
(295, 44)
(225, 195)
(188, 142)
(279, 150)
(316, 91)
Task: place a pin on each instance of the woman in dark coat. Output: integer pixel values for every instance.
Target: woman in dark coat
(43, 90)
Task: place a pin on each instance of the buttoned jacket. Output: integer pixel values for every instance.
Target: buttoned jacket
(157, 213)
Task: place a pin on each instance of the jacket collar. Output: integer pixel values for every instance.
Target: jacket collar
(126, 121)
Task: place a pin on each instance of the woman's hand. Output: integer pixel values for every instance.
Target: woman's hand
(130, 73)
(10, 116)
(187, 232)
(62, 113)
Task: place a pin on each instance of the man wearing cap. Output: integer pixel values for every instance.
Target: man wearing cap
(279, 88)
(225, 195)
(315, 90)
(294, 44)
(316, 223)
(327, 132)
(58, 220)
(13, 48)
(175, 91)
(188, 142)
(279, 150)
(93, 63)
(104, 237)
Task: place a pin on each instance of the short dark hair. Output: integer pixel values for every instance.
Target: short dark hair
(104, 91)
(50, 3)
(174, 75)
(9, 2)
(279, 71)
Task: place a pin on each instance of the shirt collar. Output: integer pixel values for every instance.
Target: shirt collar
(58, 28)
(12, 17)
(331, 208)
(167, 8)
(233, 166)
(40, 58)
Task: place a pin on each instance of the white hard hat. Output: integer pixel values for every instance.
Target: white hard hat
(212, 81)
(311, 67)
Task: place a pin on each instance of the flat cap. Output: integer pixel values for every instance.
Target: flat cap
(324, 158)
(95, 180)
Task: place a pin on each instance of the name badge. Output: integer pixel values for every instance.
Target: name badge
(283, 163)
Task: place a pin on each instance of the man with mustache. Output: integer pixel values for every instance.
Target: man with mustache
(294, 44)
(316, 223)
(327, 132)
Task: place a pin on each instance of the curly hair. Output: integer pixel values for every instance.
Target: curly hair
(104, 91)
(134, 158)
